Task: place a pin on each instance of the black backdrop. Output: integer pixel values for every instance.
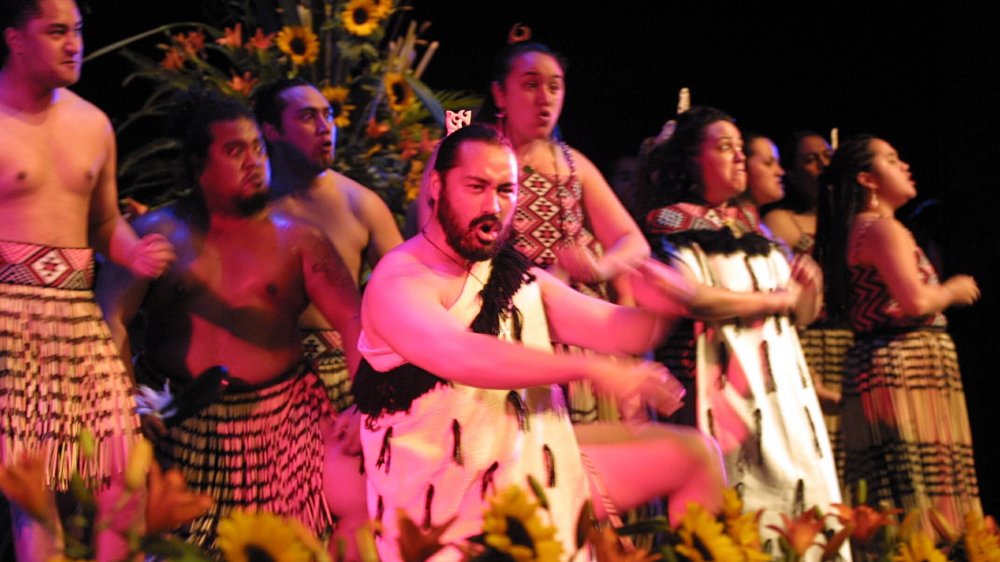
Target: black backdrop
(923, 78)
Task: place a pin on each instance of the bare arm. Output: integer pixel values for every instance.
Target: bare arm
(712, 303)
(623, 242)
(403, 308)
(809, 276)
(111, 235)
(333, 291)
(577, 319)
(890, 248)
(383, 234)
(783, 226)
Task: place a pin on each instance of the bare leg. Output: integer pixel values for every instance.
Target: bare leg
(639, 463)
(345, 490)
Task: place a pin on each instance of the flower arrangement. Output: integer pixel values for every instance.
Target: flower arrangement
(355, 51)
(515, 530)
(168, 504)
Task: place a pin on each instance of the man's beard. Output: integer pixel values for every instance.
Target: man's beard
(463, 239)
(254, 204)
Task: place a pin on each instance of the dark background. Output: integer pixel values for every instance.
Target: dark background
(925, 79)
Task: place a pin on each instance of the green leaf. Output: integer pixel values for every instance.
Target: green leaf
(427, 98)
(658, 524)
(128, 41)
(174, 550)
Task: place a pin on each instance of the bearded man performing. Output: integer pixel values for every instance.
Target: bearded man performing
(459, 383)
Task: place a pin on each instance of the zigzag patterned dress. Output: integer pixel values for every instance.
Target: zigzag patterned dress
(905, 424)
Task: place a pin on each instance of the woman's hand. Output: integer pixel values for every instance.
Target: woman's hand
(963, 288)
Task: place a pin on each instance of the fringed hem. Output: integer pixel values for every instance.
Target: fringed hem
(259, 450)
(59, 374)
(906, 426)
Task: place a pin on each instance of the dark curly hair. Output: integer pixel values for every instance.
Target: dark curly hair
(196, 110)
(669, 171)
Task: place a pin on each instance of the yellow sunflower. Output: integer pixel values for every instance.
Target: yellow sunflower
(337, 96)
(413, 180)
(245, 536)
(512, 526)
(299, 43)
(745, 532)
(362, 17)
(703, 539)
(398, 91)
(919, 548)
(980, 544)
(384, 7)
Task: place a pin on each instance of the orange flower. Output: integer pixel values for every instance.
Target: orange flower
(260, 41)
(169, 502)
(864, 520)
(608, 548)
(242, 84)
(192, 42)
(416, 545)
(24, 484)
(801, 531)
(232, 37)
(174, 59)
(376, 129)
(422, 145)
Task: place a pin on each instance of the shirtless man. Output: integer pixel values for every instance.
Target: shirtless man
(243, 276)
(298, 124)
(458, 383)
(58, 199)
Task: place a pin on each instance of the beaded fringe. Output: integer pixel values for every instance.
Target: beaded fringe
(60, 373)
(905, 423)
(258, 450)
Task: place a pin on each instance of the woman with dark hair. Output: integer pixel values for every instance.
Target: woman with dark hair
(568, 219)
(905, 423)
(748, 383)
(793, 219)
(823, 344)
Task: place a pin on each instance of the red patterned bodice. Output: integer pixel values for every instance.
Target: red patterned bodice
(872, 307)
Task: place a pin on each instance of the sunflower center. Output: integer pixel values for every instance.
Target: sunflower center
(360, 16)
(398, 91)
(518, 534)
(257, 554)
(297, 45)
